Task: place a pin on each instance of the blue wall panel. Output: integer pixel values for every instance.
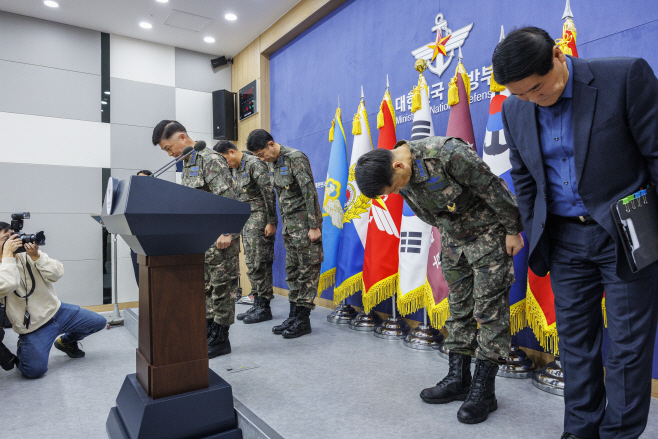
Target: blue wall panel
(362, 41)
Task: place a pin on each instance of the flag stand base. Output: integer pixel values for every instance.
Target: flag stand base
(423, 338)
(445, 353)
(366, 322)
(393, 328)
(342, 315)
(518, 365)
(550, 378)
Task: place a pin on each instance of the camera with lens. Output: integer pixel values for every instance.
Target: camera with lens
(26, 238)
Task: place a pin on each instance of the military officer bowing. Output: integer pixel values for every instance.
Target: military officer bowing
(448, 186)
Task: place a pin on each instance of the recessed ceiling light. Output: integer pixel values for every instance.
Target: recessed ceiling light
(162, 1)
(51, 4)
(146, 25)
(106, 92)
(231, 17)
(209, 39)
(103, 103)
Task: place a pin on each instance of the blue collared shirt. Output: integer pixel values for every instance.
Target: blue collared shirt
(556, 142)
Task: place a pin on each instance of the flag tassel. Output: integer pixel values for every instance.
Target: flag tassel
(439, 313)
(356, 125)
(350, 286)
(494, 86)
(547, 335)
(415, 99)
(517, 316)
(327, 279)
(605, 315)
(331, 131)
(414, 299)
(382, 290)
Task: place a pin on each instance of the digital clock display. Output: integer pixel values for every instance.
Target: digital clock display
(248, 97)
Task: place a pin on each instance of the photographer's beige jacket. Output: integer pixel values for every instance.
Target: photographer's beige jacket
(43, 303)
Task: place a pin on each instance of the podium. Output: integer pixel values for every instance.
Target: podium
(173, 393)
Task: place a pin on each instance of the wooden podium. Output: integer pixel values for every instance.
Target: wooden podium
(170, 227)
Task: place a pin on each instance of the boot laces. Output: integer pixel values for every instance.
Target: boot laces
(452, 372)
(476, 391)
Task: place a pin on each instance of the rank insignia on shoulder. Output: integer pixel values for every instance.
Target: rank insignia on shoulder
(195, 168)
(419, 162)
(451, 207)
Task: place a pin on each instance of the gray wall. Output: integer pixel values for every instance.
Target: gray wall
(56, 146)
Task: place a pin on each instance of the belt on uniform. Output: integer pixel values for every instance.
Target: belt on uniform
(583, 219)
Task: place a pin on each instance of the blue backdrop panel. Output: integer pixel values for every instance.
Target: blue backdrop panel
(362, 41)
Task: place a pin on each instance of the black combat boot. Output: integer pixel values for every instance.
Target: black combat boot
(481, 399)
(287, 322)
(301, 325)
(208, 328)
(455, 386)
(262, 313)
(253, 308)
(566, 435)
(219, 343)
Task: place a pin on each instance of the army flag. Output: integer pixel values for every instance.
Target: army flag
(495, 153)
(380, 261)
(335, 188)
(414, 292)
(351, 247)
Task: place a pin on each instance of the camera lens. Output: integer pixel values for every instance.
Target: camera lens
(34, 238)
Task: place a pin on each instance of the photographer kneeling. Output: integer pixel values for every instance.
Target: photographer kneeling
(35, 312)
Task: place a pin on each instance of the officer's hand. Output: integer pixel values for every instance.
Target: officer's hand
(10, 246)
(314, 234)
(514, 244)
(32, 251)
(270, 230)
(224, 241)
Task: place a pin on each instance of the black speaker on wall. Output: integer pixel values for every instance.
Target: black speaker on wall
(224, 115)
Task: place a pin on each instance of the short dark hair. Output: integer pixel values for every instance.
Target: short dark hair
(522, 53)
(165, 129)
(223, 146)
(374, 172)
(258, 139)
(145, 172)
(4, 226)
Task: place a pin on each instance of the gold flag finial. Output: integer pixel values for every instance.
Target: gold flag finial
(421, 65)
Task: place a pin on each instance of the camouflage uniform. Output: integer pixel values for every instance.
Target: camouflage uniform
(300, 211)
(208, 171)
(253, 186)
(452, 189)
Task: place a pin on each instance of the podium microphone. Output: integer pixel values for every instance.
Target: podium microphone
(198, 146)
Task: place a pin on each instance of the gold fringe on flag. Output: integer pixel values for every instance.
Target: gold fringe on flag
(605, 315)
(493, 85)
(349, 286)
(356, 124)
(327, 279)
(382, 290)
(414, 299)
(439, 314)
(331, 131)
(545, 333)
(517, 316)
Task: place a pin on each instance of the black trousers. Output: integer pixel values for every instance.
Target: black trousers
(582, 267)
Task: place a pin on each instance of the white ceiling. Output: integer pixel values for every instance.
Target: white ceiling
(122, 17)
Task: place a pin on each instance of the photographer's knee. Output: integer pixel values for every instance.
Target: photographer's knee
(33, 372)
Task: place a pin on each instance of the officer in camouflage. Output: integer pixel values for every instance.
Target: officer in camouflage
(448, 186)
(208, 171)
(253, 186)
(290, 172)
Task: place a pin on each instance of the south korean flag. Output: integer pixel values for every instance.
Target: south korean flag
(415, 235)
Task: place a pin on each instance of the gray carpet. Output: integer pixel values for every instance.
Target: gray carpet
(335, 383)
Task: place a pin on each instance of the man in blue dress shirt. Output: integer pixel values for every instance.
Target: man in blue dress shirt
(583, 134)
